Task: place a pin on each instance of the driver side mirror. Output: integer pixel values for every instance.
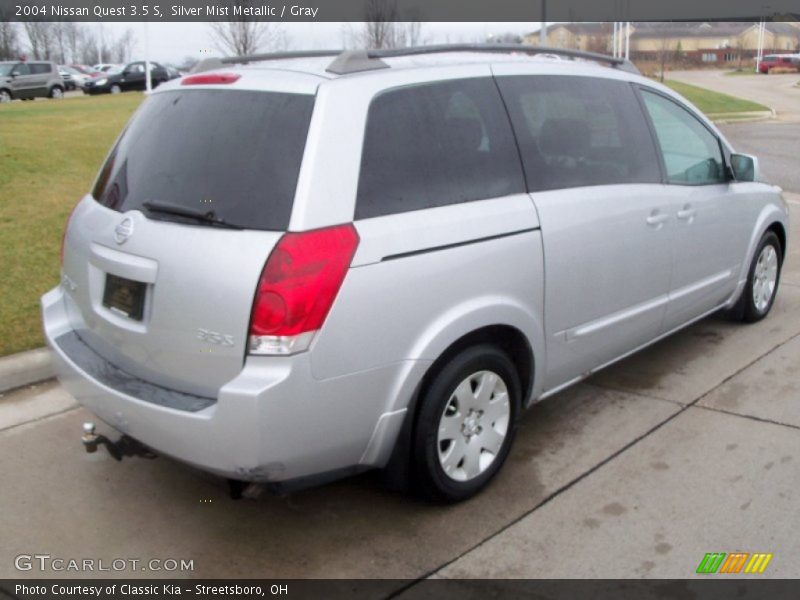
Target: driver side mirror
(744, 167)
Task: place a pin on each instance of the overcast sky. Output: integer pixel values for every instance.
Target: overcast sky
(171, 42)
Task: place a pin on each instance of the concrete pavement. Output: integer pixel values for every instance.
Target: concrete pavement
(677, 451)
(776, 91)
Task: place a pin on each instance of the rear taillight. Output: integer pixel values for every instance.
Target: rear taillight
(297, 288)
(66, 226)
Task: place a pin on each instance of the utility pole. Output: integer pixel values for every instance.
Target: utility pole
(628, 41)
(148, 83)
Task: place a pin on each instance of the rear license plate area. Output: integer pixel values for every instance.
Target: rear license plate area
(124, 297)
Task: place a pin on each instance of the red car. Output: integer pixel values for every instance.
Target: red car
(788, 62)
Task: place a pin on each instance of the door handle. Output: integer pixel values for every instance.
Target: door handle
(686, 213)
(656, 218)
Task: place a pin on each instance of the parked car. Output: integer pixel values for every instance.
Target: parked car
(304, 268)
(779, 62)
(132, 77)
(107, 67)
(86, 70)
(66, 76)
(79, 78)
(29, 80)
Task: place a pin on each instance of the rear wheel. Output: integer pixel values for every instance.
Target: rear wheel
(56, 92)
(762, 281)
(465, 424)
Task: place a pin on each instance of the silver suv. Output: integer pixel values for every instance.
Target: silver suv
(299, 267)
(29, 80)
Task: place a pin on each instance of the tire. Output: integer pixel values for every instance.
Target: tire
(115, 89)
(56, 92)
(5, 96)
(763, 277)
(455, 468)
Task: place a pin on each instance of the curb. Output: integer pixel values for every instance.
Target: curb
(743, 117)
(25, 368)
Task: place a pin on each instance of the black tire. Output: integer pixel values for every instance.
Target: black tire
(430, 478)
(745, 308)
(56, 92)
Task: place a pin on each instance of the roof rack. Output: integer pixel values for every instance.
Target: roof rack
(356, 61)
(361, 60)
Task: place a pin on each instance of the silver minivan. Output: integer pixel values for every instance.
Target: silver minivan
(293, 268)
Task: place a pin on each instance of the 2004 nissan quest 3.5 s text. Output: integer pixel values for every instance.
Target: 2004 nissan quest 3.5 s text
(295, 267)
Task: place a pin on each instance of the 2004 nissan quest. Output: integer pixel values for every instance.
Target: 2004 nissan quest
(296, 267)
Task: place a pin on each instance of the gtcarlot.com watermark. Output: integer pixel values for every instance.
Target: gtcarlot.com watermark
(45, 563)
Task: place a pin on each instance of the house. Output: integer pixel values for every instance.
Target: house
(711, 42)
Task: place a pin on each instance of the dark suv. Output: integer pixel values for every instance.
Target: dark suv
(28, 80)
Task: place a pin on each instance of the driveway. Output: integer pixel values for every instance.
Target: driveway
(688, 447)
(776, 91)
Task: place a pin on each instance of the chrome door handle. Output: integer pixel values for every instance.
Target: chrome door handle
(657, 218)
(687, 213)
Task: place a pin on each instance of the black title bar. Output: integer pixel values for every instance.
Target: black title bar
(397, 10)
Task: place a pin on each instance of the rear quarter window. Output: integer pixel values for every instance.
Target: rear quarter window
(236, 153)
(436, 144)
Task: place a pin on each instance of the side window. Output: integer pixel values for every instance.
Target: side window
(692, 154)
(579, 131)
(436, 144)
(39, 68)
(21, 69)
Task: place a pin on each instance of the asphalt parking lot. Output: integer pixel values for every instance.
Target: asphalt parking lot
(689, 447)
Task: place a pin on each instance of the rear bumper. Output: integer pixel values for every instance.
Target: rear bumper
(274, 422)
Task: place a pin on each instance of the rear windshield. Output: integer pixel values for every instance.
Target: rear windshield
(236, 153)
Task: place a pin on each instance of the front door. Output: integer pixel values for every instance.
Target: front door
(711, 222)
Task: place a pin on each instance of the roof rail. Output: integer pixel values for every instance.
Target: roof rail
(215, 63)
(356, 61)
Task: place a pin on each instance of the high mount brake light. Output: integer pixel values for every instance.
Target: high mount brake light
(298, 285)
(210, 79)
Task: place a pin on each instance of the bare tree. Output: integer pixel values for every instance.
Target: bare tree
(122, 47)
(40, 38)
(87, 47)
(384, 29)
(664, 52)
(60, 42)
(247, 37)
(9, 40)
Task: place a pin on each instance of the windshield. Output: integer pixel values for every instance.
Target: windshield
(234, 153)
(5, 69)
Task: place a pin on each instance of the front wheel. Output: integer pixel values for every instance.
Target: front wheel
(763, 277)
(115, 89)
(5, 96)
(465, 425)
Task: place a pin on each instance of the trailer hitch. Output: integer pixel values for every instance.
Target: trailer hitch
(124, 446)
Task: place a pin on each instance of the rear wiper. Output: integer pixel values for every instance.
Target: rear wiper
(182, 211)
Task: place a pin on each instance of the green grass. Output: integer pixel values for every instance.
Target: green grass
(713, 103)
(50, 152)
